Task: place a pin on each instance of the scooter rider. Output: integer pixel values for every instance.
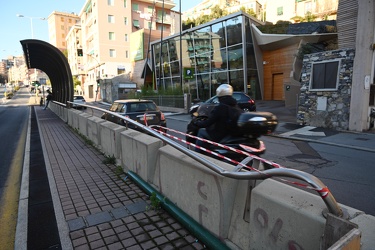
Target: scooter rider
(221, 120)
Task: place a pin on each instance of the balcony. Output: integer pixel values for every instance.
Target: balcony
(159, 3)
(166, 19)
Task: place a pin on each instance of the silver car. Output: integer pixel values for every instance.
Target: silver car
(78, 99)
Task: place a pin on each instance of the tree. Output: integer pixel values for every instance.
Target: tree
(249, 11)
(76, 81)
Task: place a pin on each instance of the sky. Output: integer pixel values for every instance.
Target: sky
(14, 29)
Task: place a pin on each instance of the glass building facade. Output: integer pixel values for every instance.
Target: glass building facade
(202, 58)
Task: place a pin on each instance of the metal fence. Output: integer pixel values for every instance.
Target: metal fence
(167, 100)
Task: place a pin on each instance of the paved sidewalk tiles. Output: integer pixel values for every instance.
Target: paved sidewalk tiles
(102, 209)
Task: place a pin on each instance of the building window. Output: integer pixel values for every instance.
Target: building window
(112, 53)
(126, 37)
(62, 19)
(136, 23)
(149, 25)
(125, 4)
(149, 9)
(280, 11)
(135, 7)
(325, 76)
(126, 54)
(111, 18)
(165, 27)
(111, 36)
(125, 20)
(110, 2)
(308, 8)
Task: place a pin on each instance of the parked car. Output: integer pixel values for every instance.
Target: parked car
(78, 99)
(245, 102)
(137, 110)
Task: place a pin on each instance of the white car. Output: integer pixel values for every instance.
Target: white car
(78, 99)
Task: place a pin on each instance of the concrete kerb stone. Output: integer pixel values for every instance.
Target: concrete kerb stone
(366, 224)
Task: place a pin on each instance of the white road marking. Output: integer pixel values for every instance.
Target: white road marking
(304, 131)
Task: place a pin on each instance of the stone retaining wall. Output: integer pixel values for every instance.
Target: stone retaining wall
(336, 103)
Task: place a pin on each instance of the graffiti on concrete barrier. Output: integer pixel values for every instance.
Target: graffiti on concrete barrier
(262, 220)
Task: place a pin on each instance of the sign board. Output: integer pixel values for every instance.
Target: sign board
(136, 45)
(189, 73)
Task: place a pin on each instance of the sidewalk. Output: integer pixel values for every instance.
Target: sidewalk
(95, 206)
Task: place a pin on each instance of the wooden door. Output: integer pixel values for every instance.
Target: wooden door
(277, 87)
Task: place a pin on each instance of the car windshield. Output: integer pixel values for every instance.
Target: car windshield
(77, 97)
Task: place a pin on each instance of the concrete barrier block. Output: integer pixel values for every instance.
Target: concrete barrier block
(82, 123)
(110, 140)
(366, 224)
(127, 150)
(139, 153)
(64, 113)
(75, 117)
(70, 117)
(284, 217)
(93, 132)
(239, 227)
(200, 192)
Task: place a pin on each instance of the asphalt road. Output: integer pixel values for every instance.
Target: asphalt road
(14, 115)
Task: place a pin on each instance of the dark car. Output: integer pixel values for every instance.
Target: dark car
(245, 102)
(145, 112)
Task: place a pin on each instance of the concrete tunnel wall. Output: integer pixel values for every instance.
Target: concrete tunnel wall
(272, 215)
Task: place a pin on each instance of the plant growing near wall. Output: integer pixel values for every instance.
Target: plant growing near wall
(109, 160)
(155, 202)
(119, 171)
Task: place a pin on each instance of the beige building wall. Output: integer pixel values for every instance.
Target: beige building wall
(106, 35)
(59, 25)
(285, 10)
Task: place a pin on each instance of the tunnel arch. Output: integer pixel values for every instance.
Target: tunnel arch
(46, 57)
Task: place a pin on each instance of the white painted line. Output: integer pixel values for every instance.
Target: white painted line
(304, 131)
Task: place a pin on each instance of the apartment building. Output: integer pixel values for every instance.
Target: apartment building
(59, 25)
(75, 55)
(204, 8)
(291, 10)
(112, 39)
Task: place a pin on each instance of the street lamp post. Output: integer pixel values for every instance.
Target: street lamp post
(97, 76)
(31, 22)
(32, 33)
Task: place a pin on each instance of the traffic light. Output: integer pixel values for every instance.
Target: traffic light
(79, 52)
(98, 82)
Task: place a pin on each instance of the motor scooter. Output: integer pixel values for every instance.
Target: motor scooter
(250, 126)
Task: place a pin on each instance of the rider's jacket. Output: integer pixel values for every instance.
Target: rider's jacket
(219, 118)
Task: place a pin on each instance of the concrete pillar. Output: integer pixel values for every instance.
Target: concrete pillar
(360, 95)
